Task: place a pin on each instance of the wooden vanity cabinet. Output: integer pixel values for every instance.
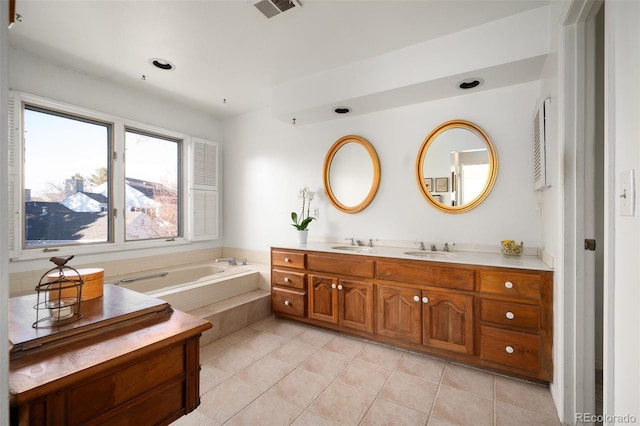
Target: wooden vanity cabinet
(498, 318)
(347, 302)
(289, 283)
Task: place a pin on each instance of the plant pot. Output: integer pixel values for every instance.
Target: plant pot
(302, 236)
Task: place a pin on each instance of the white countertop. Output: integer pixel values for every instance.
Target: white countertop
(454, 256)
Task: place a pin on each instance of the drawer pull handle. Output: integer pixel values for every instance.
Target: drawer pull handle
(333, 286)
(508, 284)
(509, 349)
(287, 303)
(286, 279)
(339, 286)
(509, 315)
(287, 260)
(416, 298)
(425, 300)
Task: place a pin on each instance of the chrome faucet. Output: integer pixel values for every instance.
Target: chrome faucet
(446, 247)
(422, 247)
(352, 242)
(370, 242)
(232, 260)
(360, 242)
(433, 247)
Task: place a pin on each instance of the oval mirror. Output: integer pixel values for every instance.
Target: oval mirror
(351, 174)
(457, 166)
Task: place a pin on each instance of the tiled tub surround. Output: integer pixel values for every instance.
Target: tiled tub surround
(277, 372)
(484, 309)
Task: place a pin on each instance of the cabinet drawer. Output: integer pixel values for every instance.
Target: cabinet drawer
(510, 284)
(285, 301)
(513, 314)
(89, 400)
(290, 259)
(341, 265)
(425, 274)
(511, 348)
(289, 279)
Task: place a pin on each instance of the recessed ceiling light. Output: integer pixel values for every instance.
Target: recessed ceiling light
(470, 83)
(162, 64)
(342, 110)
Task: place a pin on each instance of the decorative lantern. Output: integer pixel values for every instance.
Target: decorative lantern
(59, 295)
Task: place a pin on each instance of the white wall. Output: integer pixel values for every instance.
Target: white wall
(267, 161)
(622, 289)
(4, 222)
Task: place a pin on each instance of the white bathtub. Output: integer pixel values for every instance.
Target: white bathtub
(190, 287)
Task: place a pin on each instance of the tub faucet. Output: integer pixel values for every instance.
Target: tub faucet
(232, 260)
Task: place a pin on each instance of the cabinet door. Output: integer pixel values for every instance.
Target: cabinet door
(399, 313)
(447, 321)
(323, 298)
(356, 304)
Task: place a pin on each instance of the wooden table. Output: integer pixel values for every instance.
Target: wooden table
(138, 367)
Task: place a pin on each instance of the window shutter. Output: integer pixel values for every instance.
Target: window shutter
(203, 190)
(540, 138)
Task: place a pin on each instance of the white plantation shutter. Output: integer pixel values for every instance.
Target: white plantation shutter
(540, 135)
(203, 190)
(12, 173)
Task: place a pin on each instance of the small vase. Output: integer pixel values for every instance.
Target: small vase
(302, 236)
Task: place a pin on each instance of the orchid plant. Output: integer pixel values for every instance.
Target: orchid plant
(301, 222)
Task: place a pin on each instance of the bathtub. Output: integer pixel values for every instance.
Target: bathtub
(193, 286)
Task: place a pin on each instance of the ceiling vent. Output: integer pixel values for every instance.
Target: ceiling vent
(271, 8)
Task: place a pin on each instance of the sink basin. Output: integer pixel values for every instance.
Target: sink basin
(427, 254)
(355, 249)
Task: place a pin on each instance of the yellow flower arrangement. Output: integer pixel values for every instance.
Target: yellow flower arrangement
(511, 248)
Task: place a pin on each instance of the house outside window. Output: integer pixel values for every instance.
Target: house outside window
(86, 182)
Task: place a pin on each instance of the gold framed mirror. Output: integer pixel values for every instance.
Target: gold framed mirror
(351, 174)
(457, 166)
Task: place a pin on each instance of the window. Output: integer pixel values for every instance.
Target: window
(66, 179)
(87, 182)
(152, 181)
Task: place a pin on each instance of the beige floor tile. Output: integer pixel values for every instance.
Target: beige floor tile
(294, 352)
(346, 346)
(385, 356)
(266, 410)
(212, 349)
(310, 419)
(468, 379)
(462, 407)
(195, 418)
(300, 387)
(435, 421)
(210, 377)
(422, 366)
(342, 404)
(524, 394)
(365, 376)
(227, 399)
(240, 336)
(410, 391)
(326, 363)
(389, 413)
(264, 324)
(233, 360)
(265, 372)
(510, 415)
(287, 328)
(263, 342)
(316, 337)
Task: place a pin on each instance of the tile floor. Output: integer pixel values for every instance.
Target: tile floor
(279, 372)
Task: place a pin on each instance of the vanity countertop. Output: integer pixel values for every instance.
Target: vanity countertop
(458, 257)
